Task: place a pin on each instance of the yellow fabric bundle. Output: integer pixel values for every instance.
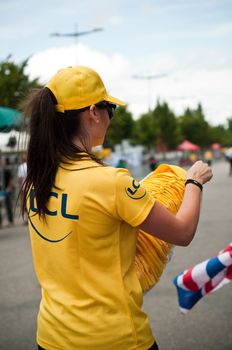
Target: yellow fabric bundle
(166, 184)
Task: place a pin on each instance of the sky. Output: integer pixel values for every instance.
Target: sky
(177, 51)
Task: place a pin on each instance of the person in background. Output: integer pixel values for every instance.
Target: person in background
(22, 174)
(7, 189)
(84, 218)
(152, 163)
(230, 161)
(193, 157)
(228, 156)
(22, 170)
(208, 157)
(121, 163)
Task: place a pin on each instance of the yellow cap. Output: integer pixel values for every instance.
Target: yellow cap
(78, 87)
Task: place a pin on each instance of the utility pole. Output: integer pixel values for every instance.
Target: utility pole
(76, 34)
(149, 79)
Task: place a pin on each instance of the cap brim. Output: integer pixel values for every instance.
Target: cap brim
(114, 100)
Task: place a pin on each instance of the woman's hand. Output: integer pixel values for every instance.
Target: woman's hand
(200, 172)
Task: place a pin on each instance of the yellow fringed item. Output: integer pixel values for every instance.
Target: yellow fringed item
(166, 184)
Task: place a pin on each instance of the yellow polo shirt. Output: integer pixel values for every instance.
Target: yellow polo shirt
(84, 260)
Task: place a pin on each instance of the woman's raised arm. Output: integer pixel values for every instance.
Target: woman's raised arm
(179, 229)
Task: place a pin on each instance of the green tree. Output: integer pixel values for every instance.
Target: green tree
(194, 127)
(14, 83)
(144, 131)
(121, 127)
(166, 126)
(217, 134)
(227, 140)
(229, 124)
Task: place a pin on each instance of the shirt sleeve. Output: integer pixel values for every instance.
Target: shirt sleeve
(133, 202)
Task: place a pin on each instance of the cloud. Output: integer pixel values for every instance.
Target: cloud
(211, 88)
(185, 85)
(46, 63)
(168, 6)
(218, 31)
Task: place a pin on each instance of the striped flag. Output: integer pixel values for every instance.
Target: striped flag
(203, 278)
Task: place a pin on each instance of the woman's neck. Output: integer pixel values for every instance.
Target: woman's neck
(83, 146)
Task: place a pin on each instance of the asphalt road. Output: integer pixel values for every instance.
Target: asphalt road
(208, 326)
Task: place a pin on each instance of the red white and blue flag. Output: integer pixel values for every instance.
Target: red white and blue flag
(203, 278)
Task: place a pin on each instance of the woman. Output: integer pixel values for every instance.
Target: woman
(84, 218)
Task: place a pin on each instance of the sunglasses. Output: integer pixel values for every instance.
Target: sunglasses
(110, 107)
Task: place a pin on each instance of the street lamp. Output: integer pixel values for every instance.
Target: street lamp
(76, 34)
(149, 79)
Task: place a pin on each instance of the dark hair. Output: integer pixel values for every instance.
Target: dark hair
(51, 135)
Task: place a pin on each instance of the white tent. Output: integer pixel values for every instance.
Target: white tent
(21, 141)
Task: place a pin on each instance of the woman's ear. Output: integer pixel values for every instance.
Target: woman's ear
(94, 114)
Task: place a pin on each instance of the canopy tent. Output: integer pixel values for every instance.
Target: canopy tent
(216, 146)
(188, 146)
(9, 118)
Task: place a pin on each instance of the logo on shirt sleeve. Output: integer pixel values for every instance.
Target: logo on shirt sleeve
(135, 191)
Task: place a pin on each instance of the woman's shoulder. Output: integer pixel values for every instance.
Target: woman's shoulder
(92, 171)
(116, 171)
(109, 172)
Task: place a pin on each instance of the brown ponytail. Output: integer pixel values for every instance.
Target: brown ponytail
(50, 134)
